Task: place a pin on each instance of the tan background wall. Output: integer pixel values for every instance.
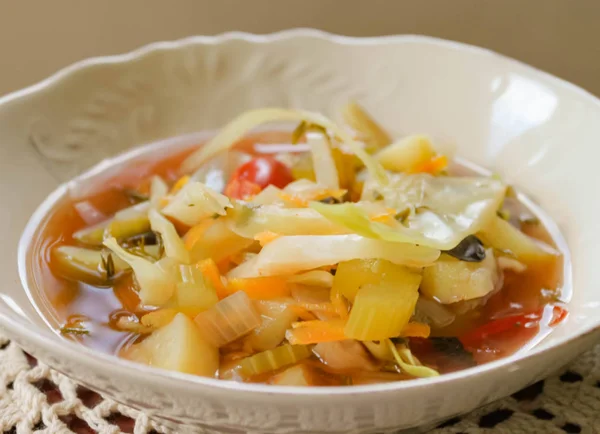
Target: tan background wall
(39, 37)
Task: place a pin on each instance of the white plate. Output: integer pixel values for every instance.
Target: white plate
(537, 131)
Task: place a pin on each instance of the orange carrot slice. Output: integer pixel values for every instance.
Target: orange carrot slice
(313, 332)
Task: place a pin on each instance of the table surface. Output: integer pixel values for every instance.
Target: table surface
(36, 399)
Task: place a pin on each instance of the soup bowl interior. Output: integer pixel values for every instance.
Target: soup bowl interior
(538, 132)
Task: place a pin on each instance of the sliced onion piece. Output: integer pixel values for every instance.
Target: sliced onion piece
(292, 254)
(229, 319)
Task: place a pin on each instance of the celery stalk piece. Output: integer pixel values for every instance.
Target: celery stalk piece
(272, 360)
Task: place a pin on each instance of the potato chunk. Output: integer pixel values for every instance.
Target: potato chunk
(450, 280)
(178, 346)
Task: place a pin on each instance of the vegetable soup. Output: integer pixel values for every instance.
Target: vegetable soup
(328, 254)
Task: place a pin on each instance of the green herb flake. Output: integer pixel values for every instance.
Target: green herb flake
(108, 266)
(403, 215)
(330, 200)
(79, 331)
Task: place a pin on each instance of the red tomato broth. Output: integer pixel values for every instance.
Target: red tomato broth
(69, 301)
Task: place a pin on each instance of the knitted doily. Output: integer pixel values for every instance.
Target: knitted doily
(36, 399)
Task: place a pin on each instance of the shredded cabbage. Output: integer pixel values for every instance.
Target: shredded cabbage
(323, 162)
(156, 280)
(174, 246)
(409, 363)
(233, 131)
(437, 212)
(195, 202)
(292, 254)
(248, 221)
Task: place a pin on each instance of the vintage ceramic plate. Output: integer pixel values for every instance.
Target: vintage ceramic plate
(539, 132)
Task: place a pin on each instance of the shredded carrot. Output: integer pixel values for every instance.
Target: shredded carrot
(416, 330)
(196, 232)
(211, 272)
(158, 318)
(179, 184)
(313, 332)
(433, 166)
(260, 288)
(266, 237)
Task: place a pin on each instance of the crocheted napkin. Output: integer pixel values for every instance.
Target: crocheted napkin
(36, 399)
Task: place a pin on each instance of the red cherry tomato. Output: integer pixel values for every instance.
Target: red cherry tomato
(260, 171)
(241, 189)
(265, 170)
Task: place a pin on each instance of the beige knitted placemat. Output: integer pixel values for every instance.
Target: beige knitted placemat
(36, 399)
